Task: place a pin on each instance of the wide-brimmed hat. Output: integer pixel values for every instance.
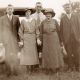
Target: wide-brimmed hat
(31, 9)
(49, 11)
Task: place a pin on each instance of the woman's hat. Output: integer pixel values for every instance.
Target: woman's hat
(49, 11)
(31, 9)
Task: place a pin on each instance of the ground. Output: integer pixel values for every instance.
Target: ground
(41, 76)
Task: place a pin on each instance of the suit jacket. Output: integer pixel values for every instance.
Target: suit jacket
(69, 28)
(9, 37)
(9, 26)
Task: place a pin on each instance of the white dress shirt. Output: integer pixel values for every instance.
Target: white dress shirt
(41, 15)
(10, 16)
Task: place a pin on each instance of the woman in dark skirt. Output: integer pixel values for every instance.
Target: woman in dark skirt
(52, 58)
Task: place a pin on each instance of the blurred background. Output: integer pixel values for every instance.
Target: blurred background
(54, 4)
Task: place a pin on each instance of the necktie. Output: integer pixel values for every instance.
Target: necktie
(38, 20)
(69, 16)
(38, 23)
(10, 18)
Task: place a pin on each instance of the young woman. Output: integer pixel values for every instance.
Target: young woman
(28, 35)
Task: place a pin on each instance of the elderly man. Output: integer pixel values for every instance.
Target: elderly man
(9, 25)
(39, 17)
(70, 36)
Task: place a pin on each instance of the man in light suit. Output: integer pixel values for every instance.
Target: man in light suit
(39, 17)
(9, 25)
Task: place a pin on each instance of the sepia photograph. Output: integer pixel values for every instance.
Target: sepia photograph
(39, 39)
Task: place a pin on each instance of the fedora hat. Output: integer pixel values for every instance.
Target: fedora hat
(67, 5)
(49, 11)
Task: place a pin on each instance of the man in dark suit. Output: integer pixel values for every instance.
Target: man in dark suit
(70, 36)
(9, 25)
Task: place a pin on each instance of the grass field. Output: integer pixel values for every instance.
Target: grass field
(41, 76)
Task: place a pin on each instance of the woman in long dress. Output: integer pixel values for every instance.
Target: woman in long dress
(51, 54)
(28, 35)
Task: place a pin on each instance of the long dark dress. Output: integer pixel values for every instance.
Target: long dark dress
(51, 54)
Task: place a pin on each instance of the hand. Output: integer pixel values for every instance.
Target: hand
(64, 50)
(62, 44)
(20, 44)
(1, 44)
(39, 42)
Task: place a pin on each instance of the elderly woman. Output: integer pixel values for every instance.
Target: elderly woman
(52, 57)
(28, 35)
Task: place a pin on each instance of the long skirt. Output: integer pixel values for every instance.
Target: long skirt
(52, 57)
(29, 55)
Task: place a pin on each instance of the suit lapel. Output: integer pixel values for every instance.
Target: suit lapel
(13, 20)
(8, 19)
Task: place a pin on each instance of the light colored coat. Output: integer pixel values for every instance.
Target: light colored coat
(27, 33)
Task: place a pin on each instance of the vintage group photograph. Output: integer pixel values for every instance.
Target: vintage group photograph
(39, 39)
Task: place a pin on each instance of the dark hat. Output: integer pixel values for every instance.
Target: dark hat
(49, 11)
(31, 9)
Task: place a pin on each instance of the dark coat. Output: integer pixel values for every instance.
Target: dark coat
(9, 37)
(70, 36)
(69, 29)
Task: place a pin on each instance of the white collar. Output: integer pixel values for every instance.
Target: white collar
(39, 13)
(69, 16)
(9, 15)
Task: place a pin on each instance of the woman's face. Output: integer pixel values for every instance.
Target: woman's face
(48, 15)
(28, 13)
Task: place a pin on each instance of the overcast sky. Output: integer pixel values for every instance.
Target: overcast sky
(54, 4)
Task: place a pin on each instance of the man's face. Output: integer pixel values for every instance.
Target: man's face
(38, 8)
(68, 9)
(10, 10)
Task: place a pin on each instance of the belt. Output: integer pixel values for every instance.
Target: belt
(29, 32)
(49, 32)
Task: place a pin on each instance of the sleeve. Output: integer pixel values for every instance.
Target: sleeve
(1, 32)
(21, 31)
(18, 25)
(58, 28)
(41, 32)
(61, 31)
